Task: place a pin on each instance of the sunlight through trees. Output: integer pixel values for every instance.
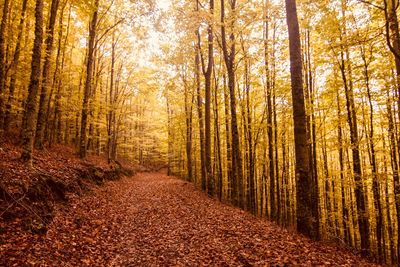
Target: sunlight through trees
(287, 109)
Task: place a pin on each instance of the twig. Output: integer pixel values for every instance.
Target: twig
(27, 208)
(12, 204)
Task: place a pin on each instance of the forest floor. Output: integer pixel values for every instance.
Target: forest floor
(154, 220)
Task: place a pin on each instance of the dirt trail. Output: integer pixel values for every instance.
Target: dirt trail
(154, 220)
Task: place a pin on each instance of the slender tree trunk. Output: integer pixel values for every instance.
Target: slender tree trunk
(28, 131)
(388, 204)
(359, 187)
(3, 59)
(311, 131)
(395, 166)
(189, 129)
(170, 152)
(271, 155)
(393, 41)
(201, 123)
(229, 58)
(40, 127)
(345, 69)
(219, 176)
(307, 189)
(50, 131)
(207, 114)
(14, 70)
(111, 112)
(375, 183)
(88, 83)
(228, 138)
(274, 121)
(247, 117)
(345, 211)
(57, 109)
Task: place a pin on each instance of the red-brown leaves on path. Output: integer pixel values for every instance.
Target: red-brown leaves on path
(154, 220)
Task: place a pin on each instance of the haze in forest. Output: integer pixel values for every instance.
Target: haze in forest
(289, 110)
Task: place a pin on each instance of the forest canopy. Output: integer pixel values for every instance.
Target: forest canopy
(288, 109)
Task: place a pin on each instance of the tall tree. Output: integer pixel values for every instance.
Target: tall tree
(307, 187)
(229, 53)
(41, 120)
(207, 72)
(271, 156)
(346, 72)
(203, 164)
(3, 57)
(29, 128)
(14, 67)
(88, 82)
(189, 100)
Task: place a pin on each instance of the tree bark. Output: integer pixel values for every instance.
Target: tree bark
(345, 211)
(3, 58)
(55, 132)
(189, 129)
(228, 135)
(28, 131)
(229, 58)
(14, 68)
(207, 72)
(219, 179)
(111, 113)
(40, 127)
(88, 83)
(271, 154)
(200, 108)
(307, 189)
(373, 163)
(345, 69)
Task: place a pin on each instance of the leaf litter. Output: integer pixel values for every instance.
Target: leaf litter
(155, 220)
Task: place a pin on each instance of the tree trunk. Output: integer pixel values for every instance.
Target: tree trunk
(201, 123)
(271, 154)
(229, 58)
(219, 181)
(228, 138)
(307, 189)
(41, 120)
(56, 128)
(373, 163)
(345, 211)
(14, 71)
(111, 111)
(395, 166)
(345, 69)
(207, 72)
(3, 58)
(88, 83)
(189, 128)
(28, 131)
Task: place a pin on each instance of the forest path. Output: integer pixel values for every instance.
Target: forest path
(155, 220)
